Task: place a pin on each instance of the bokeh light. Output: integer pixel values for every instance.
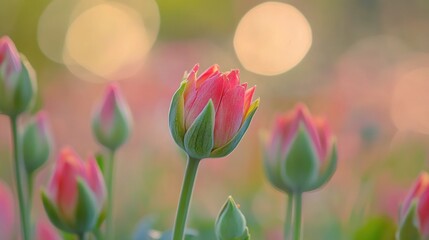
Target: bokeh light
(272, 38)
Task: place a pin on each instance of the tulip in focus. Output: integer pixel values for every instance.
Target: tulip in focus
(300, 154)
(111, 122)
(7, 215)
(414, 214)
(76, 193)
(17, 79)
(209, 114)
(45, 231)
(36, 142)
(231, 223)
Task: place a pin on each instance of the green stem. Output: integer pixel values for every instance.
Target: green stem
(30, 187)
(185, 198)
(109, 182)
(288, 222)
(19, 183)
(298, 216)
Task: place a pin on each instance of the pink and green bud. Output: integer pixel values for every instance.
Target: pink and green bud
(111, 123)
(209, 114)
(231, 223)
(7, 214)
(36, 142)
(45, 231)
(300, 153)
(17, 79)
(76, 193)
(414, 214)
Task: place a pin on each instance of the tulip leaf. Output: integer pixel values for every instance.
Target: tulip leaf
(176, 115)
(232, 144)
(52, 212)
(329, 171)
(86, 209)
(199, 137)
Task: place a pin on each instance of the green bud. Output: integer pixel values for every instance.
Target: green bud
(231, 223)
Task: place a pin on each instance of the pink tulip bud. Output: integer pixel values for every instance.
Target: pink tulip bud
(7, 216)
(45, 231)
(112, 120)
(9, 57)
(300, 152)
(65, 195)
(418, 194)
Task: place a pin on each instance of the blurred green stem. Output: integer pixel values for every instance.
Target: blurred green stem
(298, 216)
(185, 198)
(30, 187)
(81, 236)
(109, 181)
(19, 180)
(288, 222)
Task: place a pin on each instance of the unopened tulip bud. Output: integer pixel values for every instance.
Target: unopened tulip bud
(231, 223)
(209, 114)
(300, 154)
(7, 214)
(45, 231)
(111, 124)
(17, 79)
(76, 193)
(36, 142)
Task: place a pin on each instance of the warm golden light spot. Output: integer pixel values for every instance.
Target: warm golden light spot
(272, 38)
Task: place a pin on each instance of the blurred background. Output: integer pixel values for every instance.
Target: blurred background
(363, 64)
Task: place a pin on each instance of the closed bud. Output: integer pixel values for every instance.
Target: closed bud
(17, 79)
(111, 123)
(231, 223)
(36, 142)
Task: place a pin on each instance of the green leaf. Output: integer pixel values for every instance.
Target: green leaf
(86, 209)
(232, 144)
(199, 137)
(176, 115)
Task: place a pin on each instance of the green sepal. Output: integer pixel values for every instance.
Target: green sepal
(231, 223)
(232, 144)
(408, 228)
(199, 137)
(300, 169)
(100, 159)
(52, 212)
(327, 174)
(86, 209)
(272, 168)
(176, 115)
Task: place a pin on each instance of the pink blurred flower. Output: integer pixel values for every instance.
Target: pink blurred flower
(45, 231)
(7, 215)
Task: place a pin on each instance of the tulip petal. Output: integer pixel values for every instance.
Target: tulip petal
(232, 144)
(419, 186)
(423, 212)
(199, 137)
(247, 100)
(210, 72)
(229, 116)
(176, 115)
(95, 181)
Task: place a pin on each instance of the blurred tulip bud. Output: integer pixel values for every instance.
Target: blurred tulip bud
(210, 114)
(300, 154)
(7, 215)
(17, 79)
(76, 193)
(45, 231)
(231, 223)
(111, 123)
(36, 142)
(414, 214)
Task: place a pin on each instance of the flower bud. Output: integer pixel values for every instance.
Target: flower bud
(111, 123)
(45, 231)
(210, 114)
(231, 223)
(17, 79)
(76, 193)
(300, 154)
(36, 142)
(7, 214)
(414, 217)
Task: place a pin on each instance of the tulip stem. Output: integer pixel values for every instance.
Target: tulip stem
(185, 198)
(109, 180)
(19, 178)
(288, 222)
(298, 215)
(30, 187)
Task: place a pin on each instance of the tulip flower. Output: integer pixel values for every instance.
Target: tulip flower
(7, 215)
(414, 214)
(76, 193)
(209, 115)
(36, 142)
(45, 231)
(300, 155)
(17, 78)
(111, 123)
(231, 223)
